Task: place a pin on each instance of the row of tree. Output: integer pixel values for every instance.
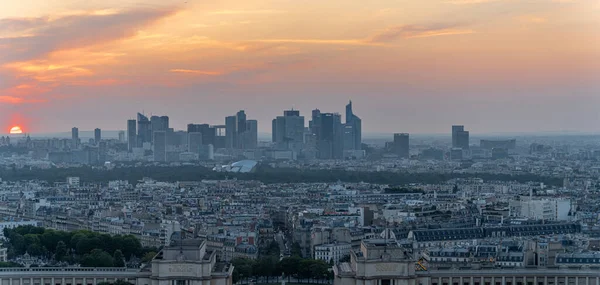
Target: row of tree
(84, 247)
(264, 173)
(271, 267)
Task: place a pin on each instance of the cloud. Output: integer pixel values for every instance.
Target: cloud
(469, 2)
(80, 30)
(60, 49)
(411, 31)
(245, 12)
(196, 72)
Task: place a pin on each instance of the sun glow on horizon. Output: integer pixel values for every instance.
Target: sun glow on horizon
(16, 130)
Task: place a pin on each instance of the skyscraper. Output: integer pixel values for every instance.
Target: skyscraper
(401, 145)
(159, 147)
(121, 136)
(74, 137)
(208, 133)
(97, 136)
(159, 123)
(356, 128)
(329, 136)
(288, 131)
(230, 132)
(241, 133)
(144, 130)
(462, 139)
(131, 135)
(251, 134)
(455, 130)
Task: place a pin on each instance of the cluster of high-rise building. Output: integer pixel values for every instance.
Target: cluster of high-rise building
(199, 140)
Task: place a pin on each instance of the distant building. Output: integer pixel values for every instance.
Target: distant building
(74, 137)
(208, 133)
(354, 126)
(121, 136)
(288, 131)
(160, 146)
(401, 146)
(241, 133)
(144, 130)
(230, 132)
(329, 135)
(131, 135)
(194, 142)
(460, 137)
(490, 144)
(97, 136)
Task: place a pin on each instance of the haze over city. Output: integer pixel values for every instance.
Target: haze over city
(409, 66)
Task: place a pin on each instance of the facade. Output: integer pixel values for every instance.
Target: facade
(288, 131)
(74, 137)
(354, 125)
(160, 146)
(460, 137)
(401, 145)
(383, 263)
(97, 136)
(131, 135)
(332, 252)
(194, 142)
(188, 262)
(230, 132)
(144, 130)
(329, 136)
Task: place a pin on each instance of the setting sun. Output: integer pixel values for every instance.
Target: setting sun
(16, 130)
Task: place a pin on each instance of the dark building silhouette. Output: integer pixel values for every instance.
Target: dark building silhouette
(144, 129)
(401, 146)
(131, 134)
(97, 136)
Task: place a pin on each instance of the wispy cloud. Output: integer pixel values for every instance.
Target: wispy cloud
(410, 31)
(352, 42)
(29, 46)
(196, 72)
(469, 2)
(245, 12)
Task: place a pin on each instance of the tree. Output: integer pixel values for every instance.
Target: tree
(290, 266)
(296, 249)
(60, 251)
(97, 258)
(148, 257)
(119, 260)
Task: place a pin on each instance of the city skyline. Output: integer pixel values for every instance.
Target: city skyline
(408, 66)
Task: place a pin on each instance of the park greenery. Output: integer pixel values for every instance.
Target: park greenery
(89, 249)
(270, 267)
(263, 173)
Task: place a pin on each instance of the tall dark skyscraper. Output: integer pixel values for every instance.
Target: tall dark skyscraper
(75, 137)
(353, 130)
(288, 131)
(97, 136)
(460, 137)
(208, 133)
(144, 130)
(241, 133)
(401, 145)
(230, 132)
(159, 123)
(329, 136)
(455, 130)
(131, 134)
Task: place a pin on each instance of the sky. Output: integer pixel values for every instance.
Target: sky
(414, 66)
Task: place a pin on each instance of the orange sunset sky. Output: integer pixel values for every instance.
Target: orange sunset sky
(409, 66)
